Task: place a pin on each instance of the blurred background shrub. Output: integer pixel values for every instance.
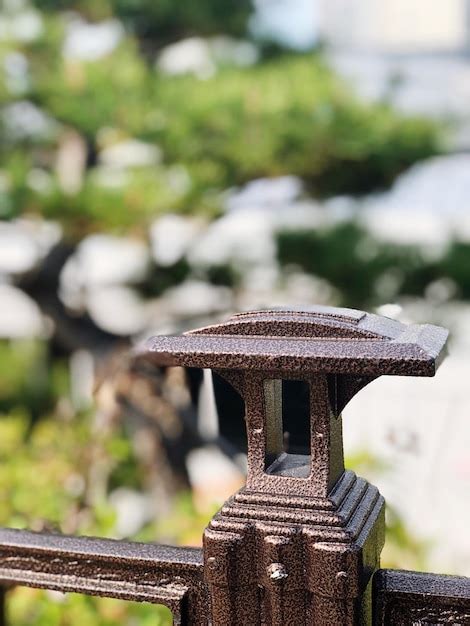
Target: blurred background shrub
(163, 164)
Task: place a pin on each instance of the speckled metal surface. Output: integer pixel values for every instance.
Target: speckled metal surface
(312, 558)
(300, 543)
(299, 547)
(403, 598)
(130, 571)
(318, 340)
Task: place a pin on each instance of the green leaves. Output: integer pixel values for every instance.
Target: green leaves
(41, 608)
(159, 23)
(363, 270)
(290, 115)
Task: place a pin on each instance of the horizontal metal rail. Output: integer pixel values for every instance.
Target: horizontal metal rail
(104, 567)
(419, 598)
(288, 548)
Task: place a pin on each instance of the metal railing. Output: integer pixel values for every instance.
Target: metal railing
(300, 543)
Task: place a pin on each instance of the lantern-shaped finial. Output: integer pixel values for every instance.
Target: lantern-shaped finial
(296, 370)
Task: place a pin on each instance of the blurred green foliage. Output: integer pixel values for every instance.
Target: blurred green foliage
(114, 91)
(42, 608)
(456, 265)
(286, 115)
(27, 379)
(367, 272)
(165, 21)
(56, 473)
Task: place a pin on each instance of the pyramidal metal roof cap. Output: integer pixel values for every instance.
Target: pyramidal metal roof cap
(315, 339)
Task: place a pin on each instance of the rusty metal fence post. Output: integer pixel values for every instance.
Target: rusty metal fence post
(299, 544)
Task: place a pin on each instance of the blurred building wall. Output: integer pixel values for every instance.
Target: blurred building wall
(406, 26)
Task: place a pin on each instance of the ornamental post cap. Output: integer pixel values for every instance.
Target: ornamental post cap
(313, 339)
(296, 370)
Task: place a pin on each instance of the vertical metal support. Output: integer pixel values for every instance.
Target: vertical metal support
(299, 544)
(289, 549)
(230, 574)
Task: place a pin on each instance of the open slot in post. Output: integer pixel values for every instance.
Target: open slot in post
(287, 406)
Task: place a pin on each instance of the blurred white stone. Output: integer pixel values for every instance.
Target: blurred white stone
(441, 291)
(20, 316)
(130, 153)
(212, 475)
(89, 42)
(46, 234)
(230, 51)
(18, 254)
(244, 237)
(300, 214)
(24, 242)
(16, 69)
(439, 185)
(290, 289)
(391, 310)
(170, 237)
(409, 82)
(209, 463)
(269, 193)
(24, 120)
(103, 261)
(428, 204)
(39, 180)
(193, 298)
(404, 227)
(301, 288)
(109, 177)
(261, 279)
(189, 56)
(339, 208)
(106, 260)
(117, 309)
(201, 57)
(22, 24)
(133, 510)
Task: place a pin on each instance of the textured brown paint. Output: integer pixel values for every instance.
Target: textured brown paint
(300, 543)
(403, 598)
(314, 340)
(130, 571)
